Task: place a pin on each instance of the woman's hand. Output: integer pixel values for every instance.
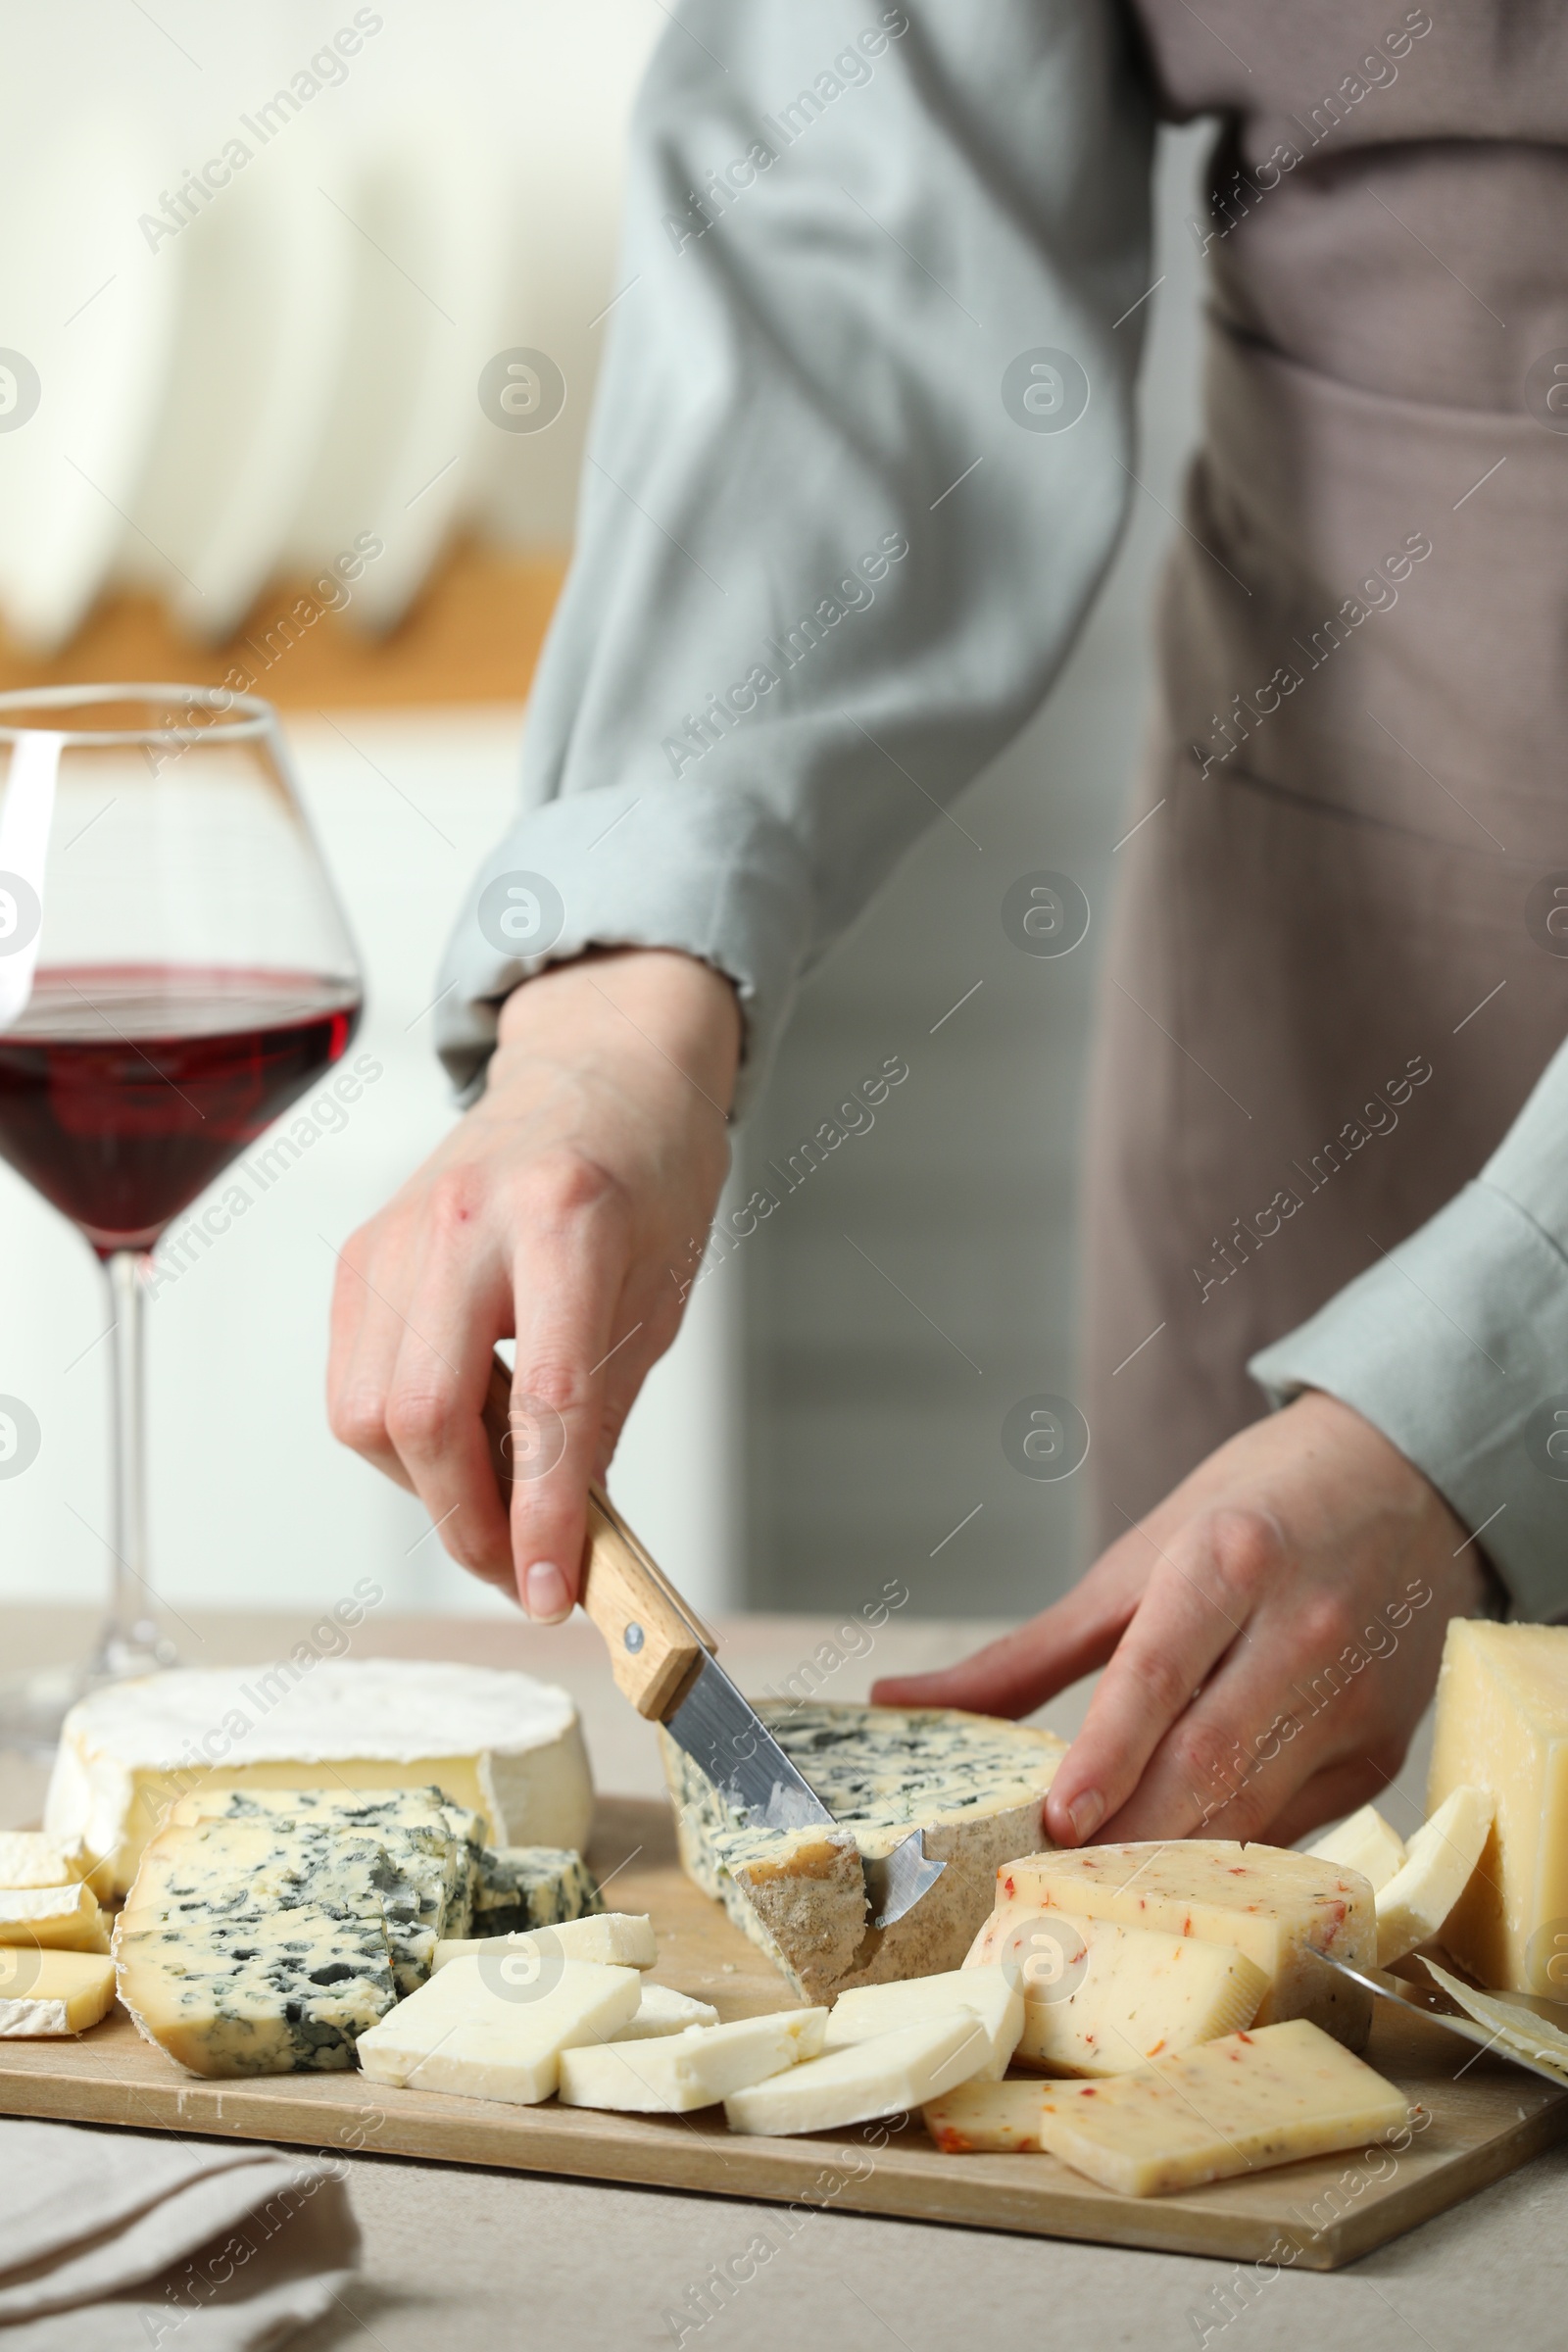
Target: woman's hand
(1273, 1631)
(565, 1209)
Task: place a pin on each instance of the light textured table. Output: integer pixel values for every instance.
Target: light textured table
(477, 2261)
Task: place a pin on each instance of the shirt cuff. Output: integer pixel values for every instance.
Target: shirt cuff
(705, 869)
(1456, 1347)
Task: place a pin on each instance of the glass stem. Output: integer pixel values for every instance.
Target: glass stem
(130, 1636)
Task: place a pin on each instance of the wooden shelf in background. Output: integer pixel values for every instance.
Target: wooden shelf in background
(473, 637)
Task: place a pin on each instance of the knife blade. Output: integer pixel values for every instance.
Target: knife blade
(660, 1655)
(1430, 2000)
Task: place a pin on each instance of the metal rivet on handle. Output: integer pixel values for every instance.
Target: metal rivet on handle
(633, 1637)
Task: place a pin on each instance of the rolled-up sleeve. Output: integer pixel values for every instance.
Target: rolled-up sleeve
(1456, 1347)
(858, 463)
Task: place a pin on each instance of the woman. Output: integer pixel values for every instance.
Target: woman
(861, 457)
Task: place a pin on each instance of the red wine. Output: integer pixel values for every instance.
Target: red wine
(125, 1088)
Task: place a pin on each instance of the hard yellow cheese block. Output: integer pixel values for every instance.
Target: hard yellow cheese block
(1279, 1909)
(1239, 2105)
(53, 1993)
(1502, 1725)
(1101, 1998)
(62, 1919)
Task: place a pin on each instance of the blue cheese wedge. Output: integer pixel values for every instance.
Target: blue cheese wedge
(974, 1786)
(522, 1886)
(286, 1994)
(436, 1843)
(243, 1870)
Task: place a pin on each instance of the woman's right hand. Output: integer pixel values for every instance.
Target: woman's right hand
(565, 1209)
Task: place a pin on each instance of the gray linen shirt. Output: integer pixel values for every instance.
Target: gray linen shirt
(857, 464)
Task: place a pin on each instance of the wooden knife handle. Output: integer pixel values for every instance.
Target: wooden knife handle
(656, 1643)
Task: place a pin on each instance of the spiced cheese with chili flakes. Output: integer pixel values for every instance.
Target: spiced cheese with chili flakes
(1101, 1999)
(1280, 1909)
(974, 1786)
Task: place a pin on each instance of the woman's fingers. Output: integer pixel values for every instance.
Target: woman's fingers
(1200, 1595)
(1020, 1672)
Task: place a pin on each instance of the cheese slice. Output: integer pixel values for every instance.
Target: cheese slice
(1239, 2105)
(663, 2011)
(62, 1919)
(53, 1993)
(886, 2076)
(1366, 1843)
(238, 1870)
(1503, 1725)
(464, 2033)
(680, 2071)
(616, 1938)
(973, 1785)
(992, 1998)
(522, 1886)
(29, 1859)
(502, 1744)
(278, 1995)
(1280, 1909)
(995, 2119)
(1414, 1904)
(1101, 1999)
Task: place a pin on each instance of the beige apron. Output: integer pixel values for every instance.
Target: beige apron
(1337, 964)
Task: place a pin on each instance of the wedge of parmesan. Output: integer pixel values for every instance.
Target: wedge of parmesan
(974, 1786)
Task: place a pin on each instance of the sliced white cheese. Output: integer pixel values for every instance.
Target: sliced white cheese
(1366, 1843)
(987, 2119)
(471, 2034)
(502, 1744)
(53, 1993)
(1101, 1998)
(990, 1994)
(617, 1938)
(1439, 1861)
(663, 2011)
(678, 2072)
(888, 2076)
(62, 1919)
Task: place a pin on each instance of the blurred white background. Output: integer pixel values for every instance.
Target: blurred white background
(298, 363)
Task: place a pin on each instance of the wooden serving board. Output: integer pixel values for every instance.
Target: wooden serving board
(1486, 2117)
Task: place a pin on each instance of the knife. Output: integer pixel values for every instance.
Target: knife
(1430, 2000)
(660, 1655)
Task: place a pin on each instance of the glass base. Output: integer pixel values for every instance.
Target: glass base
(34, 1706)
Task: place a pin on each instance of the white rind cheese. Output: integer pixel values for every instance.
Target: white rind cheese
(47, 1993)
(63, 1919)
(286, 1994)
(972, 1784)
(27, 1858)
(503, 1744)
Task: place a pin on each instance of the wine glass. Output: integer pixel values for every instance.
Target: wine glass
(174, 971)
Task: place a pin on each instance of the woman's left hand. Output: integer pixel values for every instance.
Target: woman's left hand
(1273, 1631)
